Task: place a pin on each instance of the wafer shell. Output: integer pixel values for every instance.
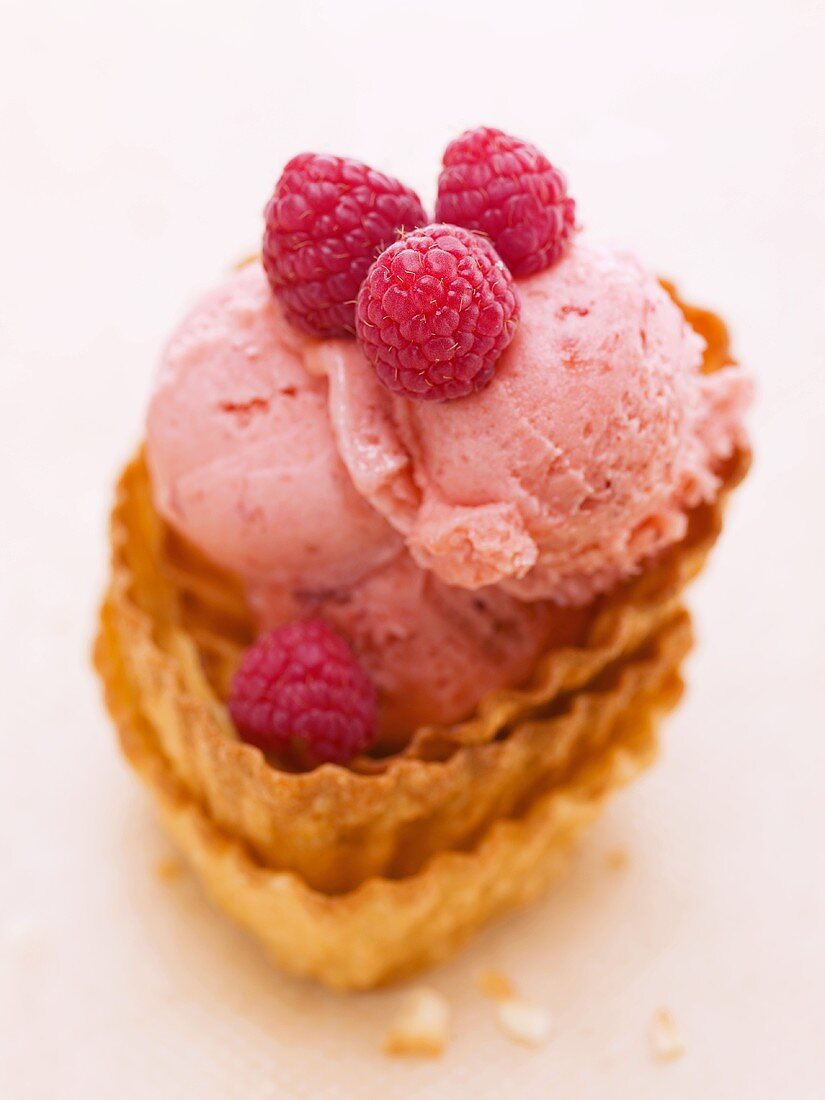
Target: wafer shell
(386, 928)
(180, 624)
(360, 875)
(337, 826)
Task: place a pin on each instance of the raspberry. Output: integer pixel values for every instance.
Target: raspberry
(301, 688)
(327, 220)
(435, 312)
(509, 190)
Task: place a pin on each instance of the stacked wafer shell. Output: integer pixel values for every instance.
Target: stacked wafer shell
(358, 875)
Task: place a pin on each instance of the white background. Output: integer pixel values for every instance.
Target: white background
(139, 143)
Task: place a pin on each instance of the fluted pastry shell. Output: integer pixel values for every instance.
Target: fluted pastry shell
(175, 625)
(338, 825)
(386, 928)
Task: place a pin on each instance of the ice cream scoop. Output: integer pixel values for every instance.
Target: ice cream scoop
(244, 464)
(440, 539)
(432, 649)
(576, 464)
(241, 452)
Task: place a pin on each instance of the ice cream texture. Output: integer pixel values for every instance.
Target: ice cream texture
(431, 649)
(244, 465)
(577, 463)
(241, 452)
(442, 540)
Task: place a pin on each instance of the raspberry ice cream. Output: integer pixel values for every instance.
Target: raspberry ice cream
(431, 649)
(241, 452)
(441, 539)
(244, 465)
(377, 649)
(580, 459)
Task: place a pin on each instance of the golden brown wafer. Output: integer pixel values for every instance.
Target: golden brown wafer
(387, 928)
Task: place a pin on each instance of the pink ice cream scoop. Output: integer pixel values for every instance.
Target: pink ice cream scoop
(431, 649)
(576, 464)
(244, 464)
(241, 452)
(440, 539)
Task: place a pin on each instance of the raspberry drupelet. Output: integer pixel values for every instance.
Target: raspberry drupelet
(327, 220)
(300, 690)
(435, 312)
(507, 189)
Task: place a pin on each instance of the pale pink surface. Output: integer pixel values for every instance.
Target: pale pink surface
(577, 462)
(241, 453)
(432, 649)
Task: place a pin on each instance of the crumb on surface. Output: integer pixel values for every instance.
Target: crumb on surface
(168, 869)
(421, 1026)
(496, 985)
(617, 858)
(665, 1040)
(523, 1022)
(245, 261)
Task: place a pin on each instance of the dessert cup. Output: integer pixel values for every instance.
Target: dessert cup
(175, 626)
(360, 874)
(389, 927)
(390, 617)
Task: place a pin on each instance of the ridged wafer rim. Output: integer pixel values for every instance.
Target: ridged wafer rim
(387, 928)
(451, 800)
(338, 825)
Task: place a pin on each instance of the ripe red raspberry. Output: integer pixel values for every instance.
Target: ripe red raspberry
(327, 220)
(435, 312)
(301, 688)
(509, 190)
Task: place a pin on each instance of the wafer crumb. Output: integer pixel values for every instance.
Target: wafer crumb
(496, 986)
(617, 859)
(524, 1022)
(421, 1026)
(665, 1041)
(245, 261)
(168, 869)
